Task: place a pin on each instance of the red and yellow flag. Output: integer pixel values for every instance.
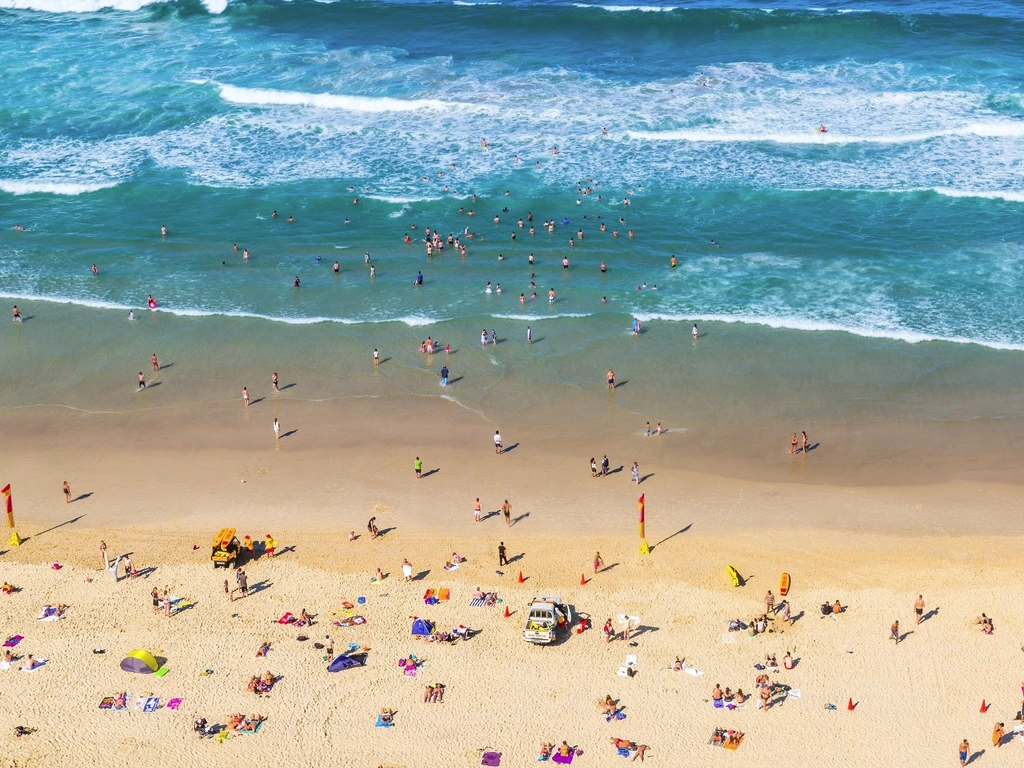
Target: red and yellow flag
(6, 493)
(640, 504)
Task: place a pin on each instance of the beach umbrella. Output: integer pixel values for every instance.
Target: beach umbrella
(139, 661)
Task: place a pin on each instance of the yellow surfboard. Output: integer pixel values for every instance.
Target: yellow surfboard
(733, 574)
(784, 585)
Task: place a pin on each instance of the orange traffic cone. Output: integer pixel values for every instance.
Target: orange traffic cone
(583, 579)
(507, 614)
(850, 706)
(984, 707)
(520, 579)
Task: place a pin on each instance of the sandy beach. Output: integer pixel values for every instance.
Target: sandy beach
(872, 547)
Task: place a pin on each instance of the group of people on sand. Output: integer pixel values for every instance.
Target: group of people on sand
(726, 737)
(987, 627)
(720, 698)
(239, 722)
(434, 694)
(548, 750)
(638, 750)
(260, 685)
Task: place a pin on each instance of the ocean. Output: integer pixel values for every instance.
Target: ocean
(869, 272)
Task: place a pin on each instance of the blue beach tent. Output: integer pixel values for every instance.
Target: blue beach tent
(422, 627)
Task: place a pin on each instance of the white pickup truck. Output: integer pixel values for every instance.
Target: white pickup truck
(547, 615)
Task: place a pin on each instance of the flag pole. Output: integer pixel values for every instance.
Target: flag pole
(644, 549)
(15, 540)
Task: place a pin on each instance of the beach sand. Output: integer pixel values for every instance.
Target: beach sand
(159, 481)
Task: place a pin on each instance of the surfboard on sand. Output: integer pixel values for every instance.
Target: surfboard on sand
(734, 575)
(784, 585)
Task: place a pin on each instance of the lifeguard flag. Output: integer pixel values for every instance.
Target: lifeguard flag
(640, 503)
(6, 493)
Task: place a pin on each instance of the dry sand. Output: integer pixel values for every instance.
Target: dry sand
(872, 547)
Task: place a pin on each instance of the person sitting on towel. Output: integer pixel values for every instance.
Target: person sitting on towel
(564, 750)
(836, 608)
(787, 660)
(740, 696)
(716, 694)
(32, 663)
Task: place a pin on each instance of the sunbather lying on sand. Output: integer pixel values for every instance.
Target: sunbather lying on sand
(263, 650)
(607, 705)
(8, 588)
(251, 723)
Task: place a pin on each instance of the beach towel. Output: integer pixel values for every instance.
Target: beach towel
(452, 567)
(350, 621)
(795, 693)
(693, 671)
(381, 724)
(717, 703)
(107, 703)
(173, 704)
(734, 745)
(255, 730)
(623, 752)
(152, 704)
(4, 666)
(13, 640)
(631, 660)
(48, 614)
(728, 639)
(623, 672)
(162, 671)
(444, 594)
(140, 702)
(491, 758)
(616, 716)
(40, 663)
(476, 602)
(557, 758)
(428, 595)
(288, 618)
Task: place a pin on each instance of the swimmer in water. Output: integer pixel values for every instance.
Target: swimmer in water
(694, 333)
(822, 128)
(163, 230)
(336, 268)
(245, 253)
(95, 269)
(551, 296)
(488, 288)
(715, 244)
(672, 261)
(604, 299)
(522, 298)
(131, 314)
(273, 215)
(291, 219)
(295, 282)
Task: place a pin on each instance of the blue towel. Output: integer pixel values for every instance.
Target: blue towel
(381, 724)
(623, 752)
(717, 704)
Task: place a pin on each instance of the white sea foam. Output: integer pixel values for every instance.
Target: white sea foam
(77, 6)
(1011, 196)
(621, 8)
(399, 200)
(536, 318)
(37, 186)
(271, 97)
(993, 129)
(411, 320)
(805, 324)
(92, 6)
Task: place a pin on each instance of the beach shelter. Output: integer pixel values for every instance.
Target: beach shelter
(346, 662)
(422, 627)
(139, 661)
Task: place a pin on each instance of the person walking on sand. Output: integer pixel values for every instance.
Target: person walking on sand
(67, 492)
(593, 467)
(155, 596)
(506, 510)
(502, 559)
(273, 381)
(407, 570)
(919, 608)
(371, 526)
(497, 442)
(269, 545)
(965, 750)
(611, 379)
(227, 591)
(635, 473)
(417, 467)
(803, 442)
(277, 429)
(998, 732)
(894, 632)
(476, 510)
(103, 556)
(598, 562)
(376, 358)
(792, 444)
(154, 363)
(142, 381)
(166, 599)
(245, 396)
(529, 335)
(769, 602)
(604, 465)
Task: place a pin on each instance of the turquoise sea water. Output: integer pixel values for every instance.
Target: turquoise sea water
(902, 224)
